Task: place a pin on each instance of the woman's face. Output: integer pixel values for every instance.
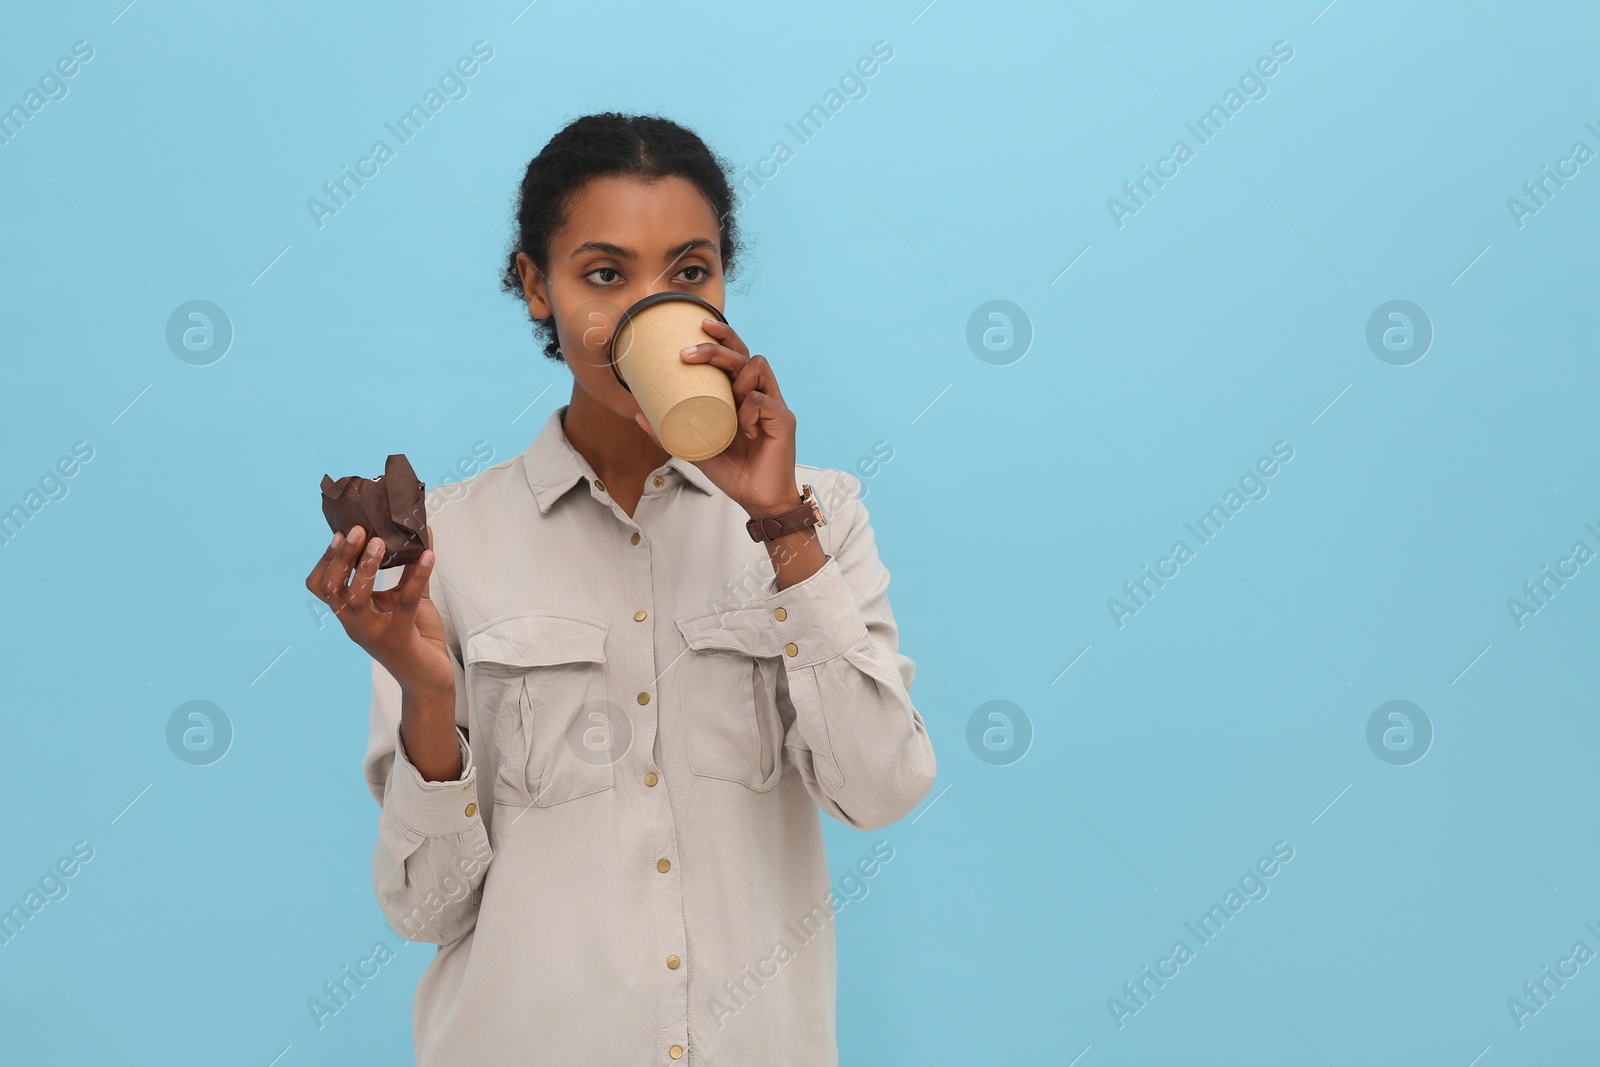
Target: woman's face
(624, 238)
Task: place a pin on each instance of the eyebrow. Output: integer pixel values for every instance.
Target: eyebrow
(609, 249)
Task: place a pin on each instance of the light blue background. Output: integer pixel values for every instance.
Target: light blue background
(1228, 314)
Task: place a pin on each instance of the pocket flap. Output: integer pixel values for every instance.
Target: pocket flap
(538, 639)
(749, 630)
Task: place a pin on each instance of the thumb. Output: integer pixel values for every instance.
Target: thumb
(414, 581)
(428, 531)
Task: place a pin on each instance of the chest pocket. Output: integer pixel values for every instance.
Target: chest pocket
(538, 680)
(729, 685)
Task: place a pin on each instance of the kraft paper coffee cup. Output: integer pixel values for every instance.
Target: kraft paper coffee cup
(689, 405)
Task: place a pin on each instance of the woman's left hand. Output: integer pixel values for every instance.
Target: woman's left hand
(757, 467)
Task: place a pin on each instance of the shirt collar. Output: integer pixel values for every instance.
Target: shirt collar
(553, 466)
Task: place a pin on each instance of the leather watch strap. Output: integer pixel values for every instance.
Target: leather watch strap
(772, 527)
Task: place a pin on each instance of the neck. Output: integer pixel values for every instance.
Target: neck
(620, 452)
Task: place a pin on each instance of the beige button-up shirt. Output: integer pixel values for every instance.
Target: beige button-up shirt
(630, 869)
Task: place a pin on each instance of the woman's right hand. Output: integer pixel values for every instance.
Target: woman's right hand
(398, 627)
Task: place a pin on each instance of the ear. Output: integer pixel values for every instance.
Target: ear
(534, 287)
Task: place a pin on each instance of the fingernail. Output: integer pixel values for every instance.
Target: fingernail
(337, 537)
(689, 350)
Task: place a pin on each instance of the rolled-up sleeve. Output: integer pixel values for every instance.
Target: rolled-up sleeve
(432, 851)
(858, 741)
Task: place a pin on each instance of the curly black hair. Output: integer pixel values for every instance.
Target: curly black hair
(601, 145)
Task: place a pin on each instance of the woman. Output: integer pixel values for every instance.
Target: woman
(605, 710)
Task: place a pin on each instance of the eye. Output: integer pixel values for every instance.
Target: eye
(700, 277)
(610, 271)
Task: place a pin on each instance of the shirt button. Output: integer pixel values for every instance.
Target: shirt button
(651, 779)
(672, 962)
(792, 649)
(472, 809)
(598, 484)
(663, 865)
(635, 538)
(676, 1051)
(639, 616)
(644, 698)
(660, 481)
(780, 614)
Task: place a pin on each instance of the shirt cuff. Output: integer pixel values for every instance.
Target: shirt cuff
(817, 618)
(433, 809)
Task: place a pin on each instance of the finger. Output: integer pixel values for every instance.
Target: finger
(726, 334)
(360, 596)
(400, 590)
(314, 579)
(757, 374)
(413, 587)
(395, 597)
(761, 413)
(717, 355)
(428, 532)
(651, 430)
(334, 579)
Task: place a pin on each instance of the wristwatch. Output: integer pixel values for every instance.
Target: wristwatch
(806, 515)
